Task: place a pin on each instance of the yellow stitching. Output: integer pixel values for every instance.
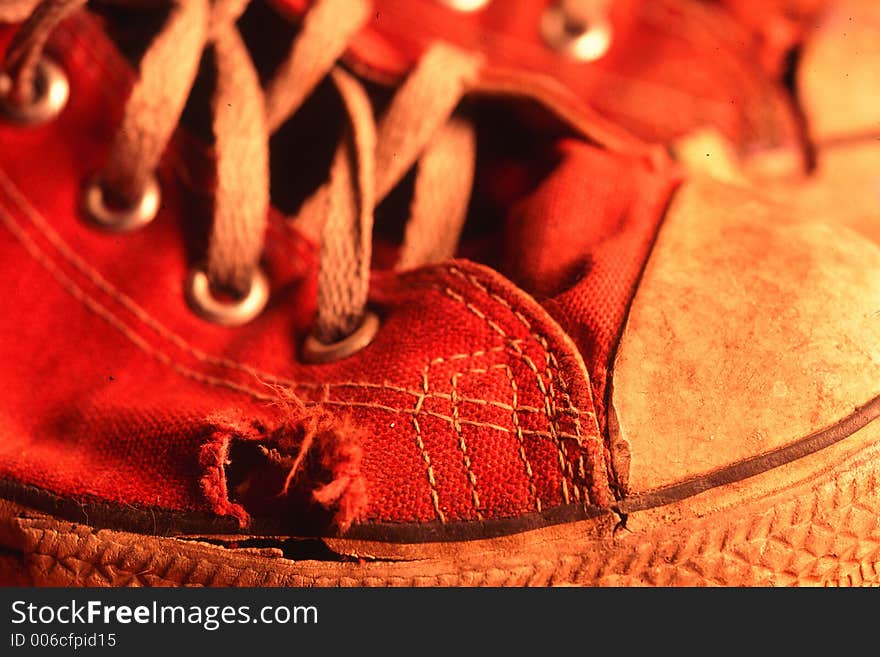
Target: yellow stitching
(472, 477)
(178, 341)
(476, 354)
(121, 74)
(551, 396)
(111, 319)
(522, 443)
(416, 393)
(89, 303)
(548, 353)
(175, 339)
(455, 421)
(96, 279)
(432, 481)
(448, 418)
(476, 311)
(141, 314)
(514, 407)
(125, 301)
(562, 457)
(571, 408)
(565, 465)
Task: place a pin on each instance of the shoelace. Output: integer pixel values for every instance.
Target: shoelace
(418, 129)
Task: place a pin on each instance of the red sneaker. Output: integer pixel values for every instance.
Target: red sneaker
(239, 397)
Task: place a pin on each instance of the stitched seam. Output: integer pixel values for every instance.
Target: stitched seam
(519, 436)
(518, 430)
(445, 396)
(107, 316)
(92, 275)
(576, 413)
(101, 283)
(420, 443)
(448, 418)
(561, 456)
(550, 358)
(564, 464)
(562, 453)
(93, 306)
(100, 311)
(120, 72)
(456, 421)
(96, 279)
(141, 314)
(125, 301)
(466, 459)
(551, 396)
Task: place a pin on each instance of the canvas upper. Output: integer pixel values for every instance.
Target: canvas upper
(484, 404)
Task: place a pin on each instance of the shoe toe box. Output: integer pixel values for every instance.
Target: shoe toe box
(751, 331)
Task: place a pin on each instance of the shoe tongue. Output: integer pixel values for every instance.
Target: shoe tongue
(578, 243)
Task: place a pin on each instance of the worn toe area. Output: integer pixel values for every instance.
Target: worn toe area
(750, 331)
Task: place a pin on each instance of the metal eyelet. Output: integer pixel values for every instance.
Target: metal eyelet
(226, 313)
(51, 93)
(316, 352)
(465, 6)
(583, 40)
(120, 220)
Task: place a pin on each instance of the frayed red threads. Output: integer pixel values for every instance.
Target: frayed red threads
(213, 459)
(347, 490)
(305, 455)
(336, 446)
(301, 428)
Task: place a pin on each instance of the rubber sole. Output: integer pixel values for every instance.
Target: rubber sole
(812, 522)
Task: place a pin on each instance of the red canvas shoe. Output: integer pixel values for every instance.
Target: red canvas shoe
(551, 361)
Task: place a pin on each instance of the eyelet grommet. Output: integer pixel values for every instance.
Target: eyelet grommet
(316, 352)
(465, 6)
(52, 91)
(584, 41)
(120, 220)
(226, 313)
